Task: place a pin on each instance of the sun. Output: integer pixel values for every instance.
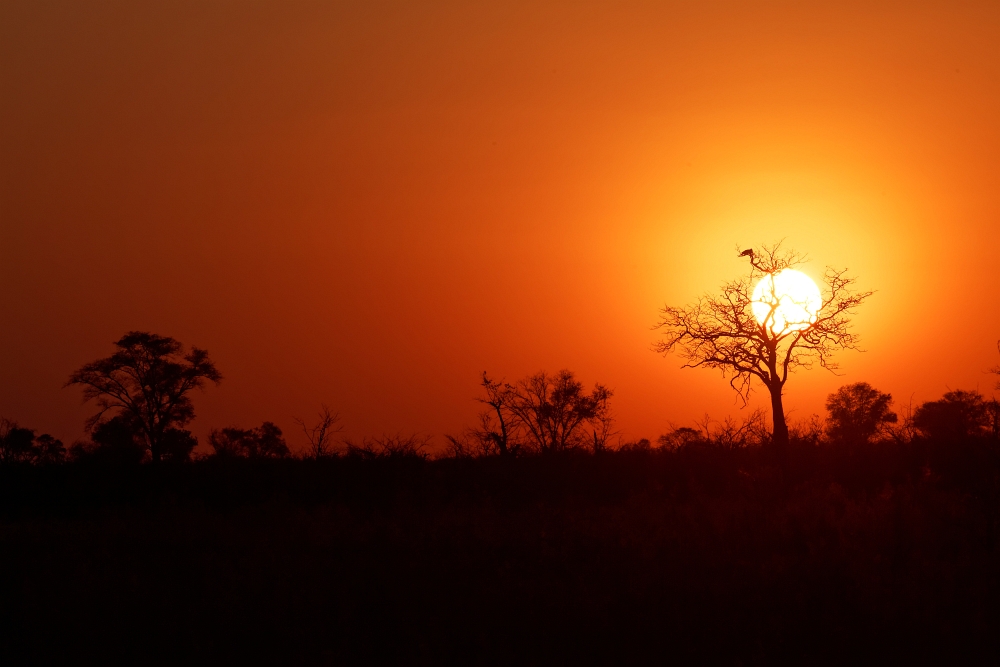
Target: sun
(786, 301)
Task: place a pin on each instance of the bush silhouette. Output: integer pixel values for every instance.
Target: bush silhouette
(858, 413)
(262, 442)
(959, 415)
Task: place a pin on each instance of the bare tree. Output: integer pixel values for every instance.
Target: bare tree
(497, 426)
(322, 436)
(498, 430)
(722, 332)
(147, 381)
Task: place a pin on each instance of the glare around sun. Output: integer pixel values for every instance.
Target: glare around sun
(785, 302)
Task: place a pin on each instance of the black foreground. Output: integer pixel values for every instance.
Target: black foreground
(701, 556)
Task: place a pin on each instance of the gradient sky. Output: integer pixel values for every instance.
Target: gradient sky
(368, 204)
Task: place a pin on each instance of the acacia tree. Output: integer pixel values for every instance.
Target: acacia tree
(722, 332)
(147, 382)
(859, 413)
(262, 442)
(552, 411)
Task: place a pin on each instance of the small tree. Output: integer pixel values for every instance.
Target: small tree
(15, 442)
(395, 447)
(21, 445)
(322, 435)
(959, 415)
(858, 413)
(553, 410)
(498, 429)
(147, 381)
(722, 331)
(996, 369)
(262, 442)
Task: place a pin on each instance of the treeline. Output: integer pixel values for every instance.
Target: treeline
(539, 537)
(144, 392)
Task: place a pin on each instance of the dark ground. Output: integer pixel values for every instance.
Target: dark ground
(881, 556)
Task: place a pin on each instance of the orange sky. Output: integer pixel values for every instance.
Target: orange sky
(369, 204)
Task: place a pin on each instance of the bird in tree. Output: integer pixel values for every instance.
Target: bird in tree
(765, 325)
(147, 382)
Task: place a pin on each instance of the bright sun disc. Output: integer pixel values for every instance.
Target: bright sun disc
(791, 296)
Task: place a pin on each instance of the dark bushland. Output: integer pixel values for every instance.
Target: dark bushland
(702, 554)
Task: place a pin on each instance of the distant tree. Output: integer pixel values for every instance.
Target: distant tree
(322, 435)
(996, 369)
(958, 415)
(722, 332)
(602, 424)
(498, 426)
(731, 434)
(262, 442)
(858, 413)
(15, 442)
(113, 441)
(20, 445)
(678, 438)
(640, 445)
(993, 417)
(49, 449)
(389, 447)
(147, 381)
(554, 410)
(484, 439)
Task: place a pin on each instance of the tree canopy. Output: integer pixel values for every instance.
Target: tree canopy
(147, 382)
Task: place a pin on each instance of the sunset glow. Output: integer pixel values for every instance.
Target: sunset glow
(368, 206)
(512, 332)
(787, 301)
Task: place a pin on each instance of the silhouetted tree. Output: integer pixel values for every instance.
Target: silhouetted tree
(49, 449)
(678, 438)
(996, 369)
(262, 442)
(498, 431)
(858, 413)
(147, 381)
(20, 445)
(15, 442)
(498, 428)
(322, 436)
(553, 410)
(958, 415)
(389, 447)
(114, 441)
(483, 440)
(721, 331)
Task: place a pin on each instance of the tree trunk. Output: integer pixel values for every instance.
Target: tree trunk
(779, 435)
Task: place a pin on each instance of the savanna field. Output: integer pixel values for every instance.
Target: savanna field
(707, 553)
(512, 333)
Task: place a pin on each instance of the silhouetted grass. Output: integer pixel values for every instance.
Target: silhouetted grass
(845, 555)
